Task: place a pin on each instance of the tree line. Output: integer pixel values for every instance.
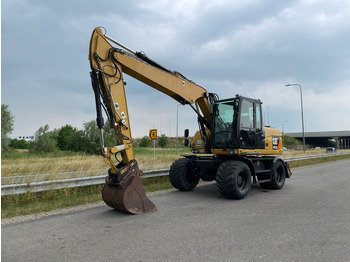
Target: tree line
(66, 138)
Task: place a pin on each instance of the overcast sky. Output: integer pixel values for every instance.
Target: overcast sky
(252, 48)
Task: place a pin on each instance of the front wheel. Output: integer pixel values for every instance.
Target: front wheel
(278, 177)
(233, 179)
(183, 175)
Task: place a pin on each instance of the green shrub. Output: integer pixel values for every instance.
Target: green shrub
(145, 142)
(6, 127)
(64, 137)
(45, 141)
(19, 144)
(289, 141)
(163, 141)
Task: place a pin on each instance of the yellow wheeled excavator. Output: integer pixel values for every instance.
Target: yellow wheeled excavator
(231, 147)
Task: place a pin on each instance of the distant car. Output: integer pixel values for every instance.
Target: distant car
(330, 150)
(284, 149)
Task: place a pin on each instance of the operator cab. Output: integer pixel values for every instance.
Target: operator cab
(237, 123)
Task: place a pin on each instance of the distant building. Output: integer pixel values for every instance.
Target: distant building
(26, 138)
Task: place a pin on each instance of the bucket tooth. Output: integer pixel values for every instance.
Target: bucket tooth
(128, 196)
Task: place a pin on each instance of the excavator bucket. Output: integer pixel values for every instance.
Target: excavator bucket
(128, 196)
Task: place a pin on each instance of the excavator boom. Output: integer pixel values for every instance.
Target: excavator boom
(142, 68)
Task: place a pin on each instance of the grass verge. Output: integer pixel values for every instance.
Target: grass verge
(24, 163)
(315, 161)
(32, 203)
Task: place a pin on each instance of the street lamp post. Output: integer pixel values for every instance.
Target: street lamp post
(302, 112)
(177, 127)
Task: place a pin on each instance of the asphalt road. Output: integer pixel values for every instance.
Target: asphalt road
(308, 220)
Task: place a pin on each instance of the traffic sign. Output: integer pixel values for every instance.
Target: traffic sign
(152, 134)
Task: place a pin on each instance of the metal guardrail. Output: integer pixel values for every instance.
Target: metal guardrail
(298, 158)
(45, 177)
(26, 186)
(22, 188)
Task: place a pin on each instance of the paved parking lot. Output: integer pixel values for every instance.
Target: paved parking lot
(308, 220)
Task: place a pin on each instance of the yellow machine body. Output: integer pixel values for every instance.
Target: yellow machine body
(236, 140)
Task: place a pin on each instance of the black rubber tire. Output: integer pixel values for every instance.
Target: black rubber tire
(182, 175)
(278, 177)
(233, 179)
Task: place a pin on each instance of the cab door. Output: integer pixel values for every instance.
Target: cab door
(250, 124)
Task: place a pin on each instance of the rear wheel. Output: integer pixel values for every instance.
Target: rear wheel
(233, 179)
(278, 177)
(183, 175)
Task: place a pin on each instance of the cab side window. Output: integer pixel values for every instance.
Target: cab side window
(247, 127)
(247, 114)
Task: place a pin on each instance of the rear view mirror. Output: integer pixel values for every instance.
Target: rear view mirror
(186, 133)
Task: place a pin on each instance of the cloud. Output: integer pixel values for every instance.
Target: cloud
(250, 47)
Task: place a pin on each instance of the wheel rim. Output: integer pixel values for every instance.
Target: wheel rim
(241, 180)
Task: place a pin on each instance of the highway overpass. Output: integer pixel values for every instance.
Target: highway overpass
(338, 139)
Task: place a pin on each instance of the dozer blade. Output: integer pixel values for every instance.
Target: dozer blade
(130, 196)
